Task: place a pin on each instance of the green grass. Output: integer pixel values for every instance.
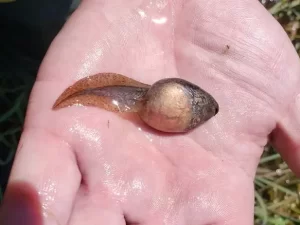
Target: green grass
(277, 190)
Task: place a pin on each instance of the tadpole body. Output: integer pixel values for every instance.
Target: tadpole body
(169, 105)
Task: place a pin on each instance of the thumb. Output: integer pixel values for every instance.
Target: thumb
(21, 205)
(286, 136)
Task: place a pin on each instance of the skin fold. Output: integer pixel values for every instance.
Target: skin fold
(90, 166)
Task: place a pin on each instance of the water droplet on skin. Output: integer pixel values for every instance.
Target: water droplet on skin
(161, 20)
(142, 13)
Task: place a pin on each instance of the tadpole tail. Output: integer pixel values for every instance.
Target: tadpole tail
(95, 81)
(111, 98)
(86, 98)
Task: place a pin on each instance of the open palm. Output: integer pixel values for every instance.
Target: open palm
(90, 166)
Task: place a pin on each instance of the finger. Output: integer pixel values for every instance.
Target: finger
(46, 163)
(219, 204)
(95, 210)
(286, 136)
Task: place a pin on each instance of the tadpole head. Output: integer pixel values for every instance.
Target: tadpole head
(204, 106)
(176, 105)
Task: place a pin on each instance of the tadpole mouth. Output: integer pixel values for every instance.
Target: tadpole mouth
(216, 106)
(216, 110)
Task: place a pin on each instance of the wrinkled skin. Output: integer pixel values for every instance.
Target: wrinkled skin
(91, 166)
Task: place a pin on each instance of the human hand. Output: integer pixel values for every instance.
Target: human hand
(87, 171)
